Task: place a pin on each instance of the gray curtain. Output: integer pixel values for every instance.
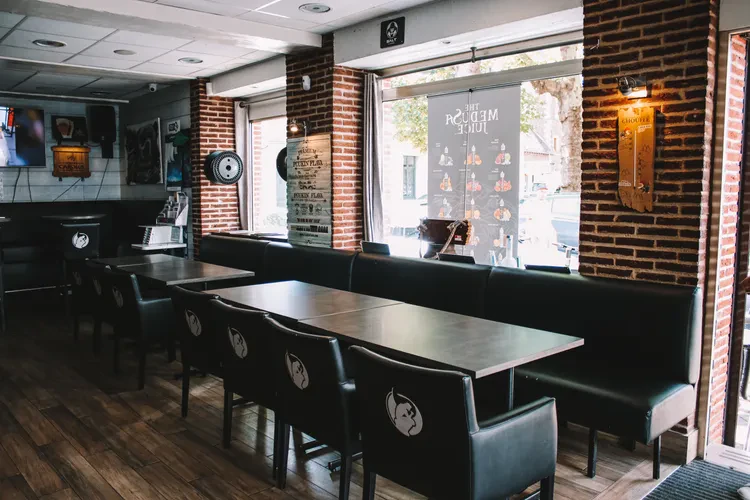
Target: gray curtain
(243, 149)
(372, 160)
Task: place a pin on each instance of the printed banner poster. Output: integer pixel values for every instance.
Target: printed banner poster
(309, 218)
(474, 140)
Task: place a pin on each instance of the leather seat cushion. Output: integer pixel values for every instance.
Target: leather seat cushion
(318, 266)
(627, 403)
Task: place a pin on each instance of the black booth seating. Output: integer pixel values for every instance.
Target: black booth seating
(634, 377)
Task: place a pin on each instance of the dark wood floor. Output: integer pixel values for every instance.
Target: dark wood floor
(70, 429)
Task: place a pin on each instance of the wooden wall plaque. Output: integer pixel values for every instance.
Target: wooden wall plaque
(71, 161)
(636, 147)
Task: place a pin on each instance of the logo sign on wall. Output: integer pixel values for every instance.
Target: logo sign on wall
(392, 32)
(309, 218)
(474, 143)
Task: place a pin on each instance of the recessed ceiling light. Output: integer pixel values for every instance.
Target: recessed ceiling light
(315, 8)
(445, 42)
(125, 52)
(100, 93)
(190, 60)
(50, 44)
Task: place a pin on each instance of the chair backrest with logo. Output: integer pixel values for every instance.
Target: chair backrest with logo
(79, 241)
(196, 329)
(121, 293)
(415, 424)
(246, 352)
(310, 381)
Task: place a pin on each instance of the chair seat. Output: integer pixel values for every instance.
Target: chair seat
(626, 403)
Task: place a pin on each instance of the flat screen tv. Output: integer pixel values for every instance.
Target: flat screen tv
(22, 137)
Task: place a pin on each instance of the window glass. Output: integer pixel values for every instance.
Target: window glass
(269, 189)
(548, 195)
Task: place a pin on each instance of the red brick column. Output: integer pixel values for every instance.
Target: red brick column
(671, 44)
(333, 106)
(215, 206)
(732, 164)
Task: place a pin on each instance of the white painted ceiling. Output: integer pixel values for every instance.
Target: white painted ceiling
(90, 40)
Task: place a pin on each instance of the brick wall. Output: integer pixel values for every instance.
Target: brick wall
(728, 245)
(332, 106)
(671, 44)
(215, 206)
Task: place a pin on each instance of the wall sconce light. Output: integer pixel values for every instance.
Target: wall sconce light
(632, 88)
(295, 126)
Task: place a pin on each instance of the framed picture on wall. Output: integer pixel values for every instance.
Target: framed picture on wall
(143, 148)
(177, 159)
(69, 128)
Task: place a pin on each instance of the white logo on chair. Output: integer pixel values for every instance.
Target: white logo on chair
(404, 414)
(194, 324)
(297, 371)
(238, 343)
(77, 278)
(97, 287)
(80, 240)
(117, 294)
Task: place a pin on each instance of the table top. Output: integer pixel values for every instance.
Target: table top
(441, 339)
(183, 272)
(296, 301)
(73, 217)
(158, 246)
(135, 260)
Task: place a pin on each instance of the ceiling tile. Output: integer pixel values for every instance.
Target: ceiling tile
(166, 69)
(11, 77)
(4, 31)
(339, 9)
(359, 17)
(259, 17)
(8, 20)
(207, 72)
(221, 9)
(259, 55)
(24, 39)
(245, 4)
(64, 28)
(52, 82)
(115, 84)
(216, 49)
(107, 49)
(33, 54)
(397, 5)
(174, 57)
(101, 62)
(147, 40)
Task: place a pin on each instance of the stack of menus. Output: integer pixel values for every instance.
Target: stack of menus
(474, 146)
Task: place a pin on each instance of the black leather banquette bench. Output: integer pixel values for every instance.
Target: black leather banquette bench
(635, 376)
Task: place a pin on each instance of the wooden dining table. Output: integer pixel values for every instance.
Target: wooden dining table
(137, 260)
(185, 272)
(296, 301)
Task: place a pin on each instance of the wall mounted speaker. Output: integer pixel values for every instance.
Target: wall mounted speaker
(103, 128)
(281, 164)
(223, 167)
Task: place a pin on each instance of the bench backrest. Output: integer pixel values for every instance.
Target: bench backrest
(318, 266)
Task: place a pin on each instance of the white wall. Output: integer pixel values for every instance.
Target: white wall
(734, 15)
(38, 184)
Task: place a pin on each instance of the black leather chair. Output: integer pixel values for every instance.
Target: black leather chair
(314, 396)
(100, 305)
(146, 321)
(198, 336)
(634, 377)
(427, 283)
(318, 266)
(419, 429)
(81, 291)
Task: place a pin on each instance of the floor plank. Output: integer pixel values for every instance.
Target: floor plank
(169, 453)
(67, 494)
(86, 440)
(215, 488)
(127, 482)
(40, 476)
(9, 492)
(78, 472)
(7, 467)
(126, 446)
(637, 483)
(21, 485)
(169, 484)
(33, 422)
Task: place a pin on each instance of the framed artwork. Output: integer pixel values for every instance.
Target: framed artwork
(177, 159)
(143, 148)
(69, 128)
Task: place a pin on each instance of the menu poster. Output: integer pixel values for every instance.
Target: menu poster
(636, 146)
(474, 143)
(309, 218)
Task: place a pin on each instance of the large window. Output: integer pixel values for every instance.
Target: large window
(541, 211)
(269, 189)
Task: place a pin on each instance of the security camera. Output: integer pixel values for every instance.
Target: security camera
(152, 87)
